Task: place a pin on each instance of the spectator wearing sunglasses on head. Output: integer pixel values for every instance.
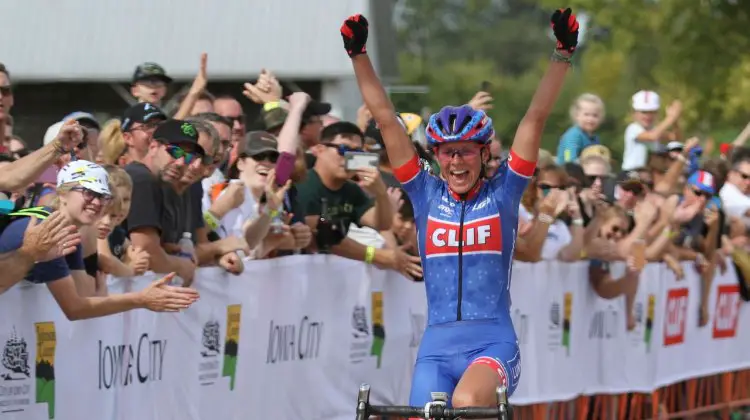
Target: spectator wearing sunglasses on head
(174, 148)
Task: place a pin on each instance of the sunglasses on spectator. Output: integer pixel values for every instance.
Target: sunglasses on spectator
(702, 193)
(635, 188)
(342, 148)
(178, 152)
(240, 119)
(592, 178)
(546, 188)
(269, 156)
(6, 90)
(90, 196)
(145, 127)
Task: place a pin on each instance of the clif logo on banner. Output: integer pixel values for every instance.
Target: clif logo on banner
(727, 311)
(675, 318)
(479, 236)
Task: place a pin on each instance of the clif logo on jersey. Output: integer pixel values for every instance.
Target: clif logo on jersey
(727, 311)
(675, 318)
(480, 236)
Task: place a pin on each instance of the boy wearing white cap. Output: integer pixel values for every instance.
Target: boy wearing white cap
(644, 134)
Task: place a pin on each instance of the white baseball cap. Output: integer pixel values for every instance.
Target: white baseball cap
(646, 101)
(87, 174)
(675, 146)
(52, 132)
(80, 116)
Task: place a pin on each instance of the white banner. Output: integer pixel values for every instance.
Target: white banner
(294, 337)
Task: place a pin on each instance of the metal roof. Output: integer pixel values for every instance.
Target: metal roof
(103, 40)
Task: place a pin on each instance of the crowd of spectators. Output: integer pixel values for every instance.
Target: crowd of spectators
(208, 185)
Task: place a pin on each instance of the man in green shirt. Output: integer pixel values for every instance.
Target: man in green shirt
(347, 200)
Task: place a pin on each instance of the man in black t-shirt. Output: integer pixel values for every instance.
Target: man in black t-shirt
(174, 148)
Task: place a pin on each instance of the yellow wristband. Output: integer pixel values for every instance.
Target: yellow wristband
(271, 105)
(583, 254)
(370, 254)
(210, 220)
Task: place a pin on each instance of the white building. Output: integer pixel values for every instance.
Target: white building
(94, 45)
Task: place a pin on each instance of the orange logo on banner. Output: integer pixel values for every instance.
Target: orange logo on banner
(727, 312)
(676, 316)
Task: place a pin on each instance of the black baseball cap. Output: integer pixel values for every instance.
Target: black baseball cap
(316, 109)
(143, 113)
(258, 142)
(178, 132)
(150, 70)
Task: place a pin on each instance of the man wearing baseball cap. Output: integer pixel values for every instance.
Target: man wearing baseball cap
(138, 125)
(174, 148)
(150, 83)
(645, 134)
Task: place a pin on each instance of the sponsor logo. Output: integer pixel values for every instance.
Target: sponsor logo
(482, 204)
(480, 236)
(648, 326)
(46, 345)
(604, 323)
(368, 341)
(560, 321)
(726, 315)
(209, 368)
(445, 210)
(291, 342)
(231, 343)
(675, 318)
(122, 365)
(15, 374)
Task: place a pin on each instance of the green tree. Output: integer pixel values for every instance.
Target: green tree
(693, 51)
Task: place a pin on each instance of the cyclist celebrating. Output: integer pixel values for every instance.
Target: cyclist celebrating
(466, 225)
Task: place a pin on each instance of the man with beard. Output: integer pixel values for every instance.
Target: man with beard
(174, 148)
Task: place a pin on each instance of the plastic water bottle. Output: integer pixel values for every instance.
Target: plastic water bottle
(187, 250)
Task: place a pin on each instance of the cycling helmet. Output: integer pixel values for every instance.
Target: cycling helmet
(459, 123)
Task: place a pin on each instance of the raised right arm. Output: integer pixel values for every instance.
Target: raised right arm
(397, 143)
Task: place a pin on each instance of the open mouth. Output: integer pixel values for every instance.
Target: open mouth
(91, 211)
(460, 176)
(262, 172)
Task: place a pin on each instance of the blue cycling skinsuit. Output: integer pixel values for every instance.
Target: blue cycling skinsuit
(466, 247)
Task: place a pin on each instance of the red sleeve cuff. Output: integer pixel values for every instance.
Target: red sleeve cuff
(408, 170)
(520, 166)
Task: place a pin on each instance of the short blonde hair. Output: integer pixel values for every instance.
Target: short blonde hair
(590, 98)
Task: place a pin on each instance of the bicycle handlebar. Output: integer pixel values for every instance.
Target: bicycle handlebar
(436, 412)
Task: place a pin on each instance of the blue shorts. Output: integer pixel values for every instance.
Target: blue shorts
(447, 350)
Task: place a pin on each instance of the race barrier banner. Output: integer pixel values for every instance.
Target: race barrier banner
(294, 337)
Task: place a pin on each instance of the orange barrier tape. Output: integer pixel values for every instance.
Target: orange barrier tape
(684, 400)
